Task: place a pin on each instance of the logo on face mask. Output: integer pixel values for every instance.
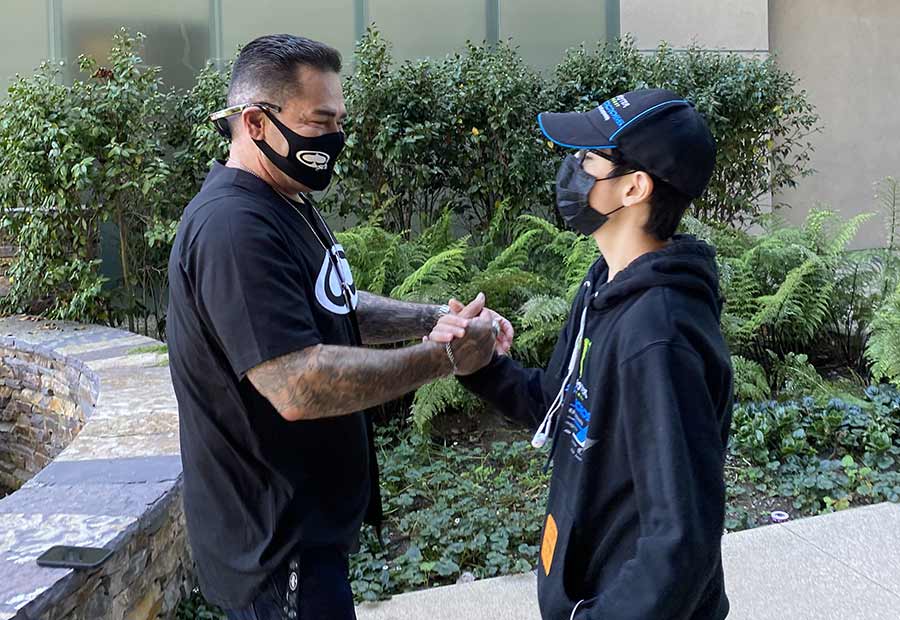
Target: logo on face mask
(329, 290)
(317, 160)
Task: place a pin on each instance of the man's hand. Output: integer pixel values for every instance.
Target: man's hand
(506, 334)
(453, 325)
(470, 333)
(475, 349)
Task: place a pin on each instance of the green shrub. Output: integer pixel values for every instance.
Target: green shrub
(96, 153)
(809, 457)
(530, 281)
(779, 285)
(460, 132)
(457, 134)
(426, 135)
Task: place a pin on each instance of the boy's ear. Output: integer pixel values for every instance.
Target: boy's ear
(639, 189)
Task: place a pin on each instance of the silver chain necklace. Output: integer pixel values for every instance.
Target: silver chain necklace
(330, 252)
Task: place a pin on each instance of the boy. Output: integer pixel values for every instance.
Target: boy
(638, 393)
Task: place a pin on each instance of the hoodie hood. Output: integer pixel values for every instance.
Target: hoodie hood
(687, 264)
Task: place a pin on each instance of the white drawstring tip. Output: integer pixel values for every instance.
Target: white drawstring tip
(539, 439)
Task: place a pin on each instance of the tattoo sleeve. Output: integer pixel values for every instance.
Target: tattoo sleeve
(326, 381)
(383, 320)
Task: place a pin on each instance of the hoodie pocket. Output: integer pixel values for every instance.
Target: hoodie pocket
(553, 594)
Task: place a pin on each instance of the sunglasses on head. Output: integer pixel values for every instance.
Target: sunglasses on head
(220, 119)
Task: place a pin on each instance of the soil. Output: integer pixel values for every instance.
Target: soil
(481, 430)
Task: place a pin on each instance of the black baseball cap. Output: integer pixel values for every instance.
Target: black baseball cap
(653, 129)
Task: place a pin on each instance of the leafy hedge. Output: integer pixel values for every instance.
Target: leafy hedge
(460, 132)
(114, 156)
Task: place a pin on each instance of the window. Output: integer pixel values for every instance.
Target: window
(329, 21)
(417, 28)
(23, 31)
(544, 30)
(177, 33)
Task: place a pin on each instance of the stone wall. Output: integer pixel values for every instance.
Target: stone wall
(43, 400)
(143, 580)
(117, 484)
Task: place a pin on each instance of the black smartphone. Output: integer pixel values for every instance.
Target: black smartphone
(63, 556)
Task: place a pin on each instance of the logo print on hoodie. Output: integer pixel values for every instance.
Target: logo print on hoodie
(578, 418)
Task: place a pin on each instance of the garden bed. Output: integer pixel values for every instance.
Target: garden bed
(468, 501)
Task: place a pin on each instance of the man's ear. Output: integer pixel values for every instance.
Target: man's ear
(252, 120)
(639, 189)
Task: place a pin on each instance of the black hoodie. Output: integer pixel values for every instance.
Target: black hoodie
(637, 496)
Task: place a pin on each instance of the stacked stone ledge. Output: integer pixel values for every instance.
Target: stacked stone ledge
(89, 452)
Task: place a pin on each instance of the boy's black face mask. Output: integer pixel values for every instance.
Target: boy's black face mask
(573, 187)
(309, 161)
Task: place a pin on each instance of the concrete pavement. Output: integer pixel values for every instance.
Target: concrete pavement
(842, 566)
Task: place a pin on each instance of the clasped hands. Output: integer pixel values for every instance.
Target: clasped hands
(473, 333)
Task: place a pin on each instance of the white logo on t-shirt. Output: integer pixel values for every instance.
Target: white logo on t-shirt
(329, 293)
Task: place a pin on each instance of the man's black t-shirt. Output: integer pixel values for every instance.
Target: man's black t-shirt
(251, 281)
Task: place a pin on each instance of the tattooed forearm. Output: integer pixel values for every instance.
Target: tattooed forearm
(383, 320)
(326, 381)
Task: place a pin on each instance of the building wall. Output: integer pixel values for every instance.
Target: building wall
(740, 25)
(846, 54)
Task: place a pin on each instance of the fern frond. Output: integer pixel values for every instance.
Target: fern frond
(584, 253)
(388, 265)
(518, 253)
(443, 268)
(883, 349)
(438, 236)
(506, 289)
(773, 307)
(888, 197)
(439, 397)
(543, 309)
(750, 381)
(846, 233)
(532, 222)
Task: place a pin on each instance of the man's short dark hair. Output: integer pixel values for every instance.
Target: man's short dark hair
(667, 204)
(266, 68)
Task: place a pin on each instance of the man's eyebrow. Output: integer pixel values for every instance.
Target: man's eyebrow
(327, 112)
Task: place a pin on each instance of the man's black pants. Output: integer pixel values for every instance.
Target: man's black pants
(313, 585)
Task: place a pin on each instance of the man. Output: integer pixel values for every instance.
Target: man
(638, 394)
(264, 329)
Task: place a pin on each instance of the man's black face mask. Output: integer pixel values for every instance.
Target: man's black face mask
(309, 161)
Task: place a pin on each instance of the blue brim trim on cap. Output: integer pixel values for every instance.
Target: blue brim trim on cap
(570, 146)
(645, 112)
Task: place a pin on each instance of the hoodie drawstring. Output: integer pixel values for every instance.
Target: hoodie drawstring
(544, 429)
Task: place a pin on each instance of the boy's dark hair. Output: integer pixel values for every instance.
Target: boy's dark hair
(667, 204)
(266, 68)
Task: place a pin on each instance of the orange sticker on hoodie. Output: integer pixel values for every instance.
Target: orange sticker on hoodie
(548, 546)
